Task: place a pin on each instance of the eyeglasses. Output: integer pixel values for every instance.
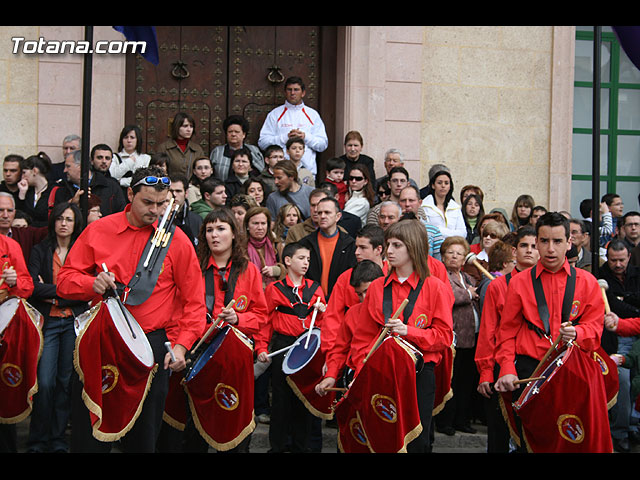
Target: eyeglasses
(151, 181)
(355, 179)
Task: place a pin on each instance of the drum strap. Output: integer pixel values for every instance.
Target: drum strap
(508, 277)
(387, 302)
(541, 301)
(299, 305)
(227, 274)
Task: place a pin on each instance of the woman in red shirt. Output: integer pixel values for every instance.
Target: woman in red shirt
(426, 321)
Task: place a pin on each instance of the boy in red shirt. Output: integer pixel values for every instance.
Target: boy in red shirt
(290, 305)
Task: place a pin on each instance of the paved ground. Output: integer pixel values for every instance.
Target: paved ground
(459, 443)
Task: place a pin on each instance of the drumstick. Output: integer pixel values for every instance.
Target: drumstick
(386, 329)
(335, 389)
(604, 286)
(313, 321)
(471, 258)
(122, 309)
(170, 350)
(551, 349)
(213, 325)
(527, 380)
(280, 351)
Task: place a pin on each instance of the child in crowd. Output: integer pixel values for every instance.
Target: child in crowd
(272, 155)
(295, 150)
(290, 304)
(335, 175)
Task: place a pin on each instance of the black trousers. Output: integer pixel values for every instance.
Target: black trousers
(524, 368)
(426, 391)
(143, 435)
(497, 429)
(290, 419)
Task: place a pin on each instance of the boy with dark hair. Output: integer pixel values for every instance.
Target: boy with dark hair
(290, 305)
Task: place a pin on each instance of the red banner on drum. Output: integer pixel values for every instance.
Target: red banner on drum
(221, 393)
(115, 381)
(385, 397)
(20, 349)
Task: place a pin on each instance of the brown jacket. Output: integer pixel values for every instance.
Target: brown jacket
(181, 163)
(464, 323)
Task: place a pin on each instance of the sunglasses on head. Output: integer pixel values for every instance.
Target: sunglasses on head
(151, 181)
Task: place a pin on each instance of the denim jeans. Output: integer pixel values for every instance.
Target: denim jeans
(52, 402)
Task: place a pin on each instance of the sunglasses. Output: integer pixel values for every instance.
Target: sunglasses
(356, 179)
(490, 235)
(151, 181)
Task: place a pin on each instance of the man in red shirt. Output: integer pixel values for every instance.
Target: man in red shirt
(526, 332)
(176, 302)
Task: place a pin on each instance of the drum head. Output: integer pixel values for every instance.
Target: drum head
(7, 311)
(206, 355)
(535, 386)
(298, 356)
(130, 332)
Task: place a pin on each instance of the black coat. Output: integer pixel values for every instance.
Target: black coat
(344, 258)
(105, 188)
(624, 299)
(40, 266)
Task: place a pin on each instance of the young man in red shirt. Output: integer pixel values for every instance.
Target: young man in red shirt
(176, 302)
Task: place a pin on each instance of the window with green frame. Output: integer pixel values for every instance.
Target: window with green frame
(619, 121)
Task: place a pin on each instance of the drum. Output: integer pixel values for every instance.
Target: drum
(219, 385)
(129, 329)
(205, 354)
(20, 348)
(566, 411)
(116, 365)
(301, 354)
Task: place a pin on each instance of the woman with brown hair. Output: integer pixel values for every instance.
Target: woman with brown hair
(426, 322)
(456, 414)
(261, 245)
(181, 147)
(522, 210)
(492, 231)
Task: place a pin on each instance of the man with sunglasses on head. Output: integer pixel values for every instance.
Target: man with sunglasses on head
(174, 311)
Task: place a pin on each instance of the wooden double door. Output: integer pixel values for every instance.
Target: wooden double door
(212, 72)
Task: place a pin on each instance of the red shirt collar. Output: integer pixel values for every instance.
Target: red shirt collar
(565, 266)
(393, 277)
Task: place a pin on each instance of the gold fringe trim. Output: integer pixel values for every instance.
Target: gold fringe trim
(91, 405)
(449, 395)
(168, 419)
(612, 402)
(222, 447)
(505, 415)
(314, 411)
(35, 318)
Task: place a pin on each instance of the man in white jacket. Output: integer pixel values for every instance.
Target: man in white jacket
(295, 119)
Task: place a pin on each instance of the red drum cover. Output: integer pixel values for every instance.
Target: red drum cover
(116, 381)
(443, 372)
(20, 349)
(175, 408)
(351, 435)
(303, 384)
(221, 394)
(384, 394)
(567, 412)
(609, 371)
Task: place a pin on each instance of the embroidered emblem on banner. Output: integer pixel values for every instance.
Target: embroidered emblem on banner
(226, 397)
(575, 308)
(357, 432)
(571, 428)
(11, 375)
(422, 321)
(241, 303)
(385, 407)
(600, 361)
(110, 376)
